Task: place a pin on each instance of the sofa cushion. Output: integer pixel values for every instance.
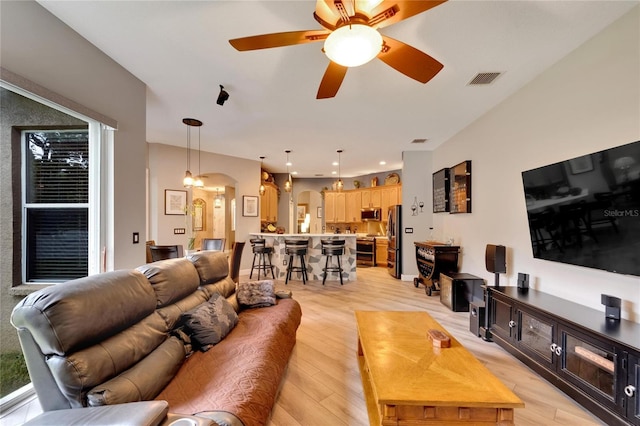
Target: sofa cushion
(253, 358)
(79, 313)
(210, 322)
(144, 380)
(212, 266)
(171, 279)
(84, 369)
(256, 294)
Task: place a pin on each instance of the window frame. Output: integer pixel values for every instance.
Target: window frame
(100, 229)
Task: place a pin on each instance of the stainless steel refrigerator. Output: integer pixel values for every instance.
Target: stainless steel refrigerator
(394, 232)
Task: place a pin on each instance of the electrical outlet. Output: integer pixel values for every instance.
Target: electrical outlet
(408, 230)
(284, 262)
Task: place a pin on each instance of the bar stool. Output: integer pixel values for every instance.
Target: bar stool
(262, 253)
(295, 248)
(332, 248)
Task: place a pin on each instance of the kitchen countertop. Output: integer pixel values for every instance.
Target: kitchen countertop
(273, 234)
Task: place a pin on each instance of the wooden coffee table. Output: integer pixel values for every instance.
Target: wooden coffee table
(407, 380)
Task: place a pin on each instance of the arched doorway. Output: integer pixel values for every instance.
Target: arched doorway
(216, 217)
(308, 213)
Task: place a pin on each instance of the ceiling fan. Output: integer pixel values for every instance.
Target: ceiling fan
(351, 39)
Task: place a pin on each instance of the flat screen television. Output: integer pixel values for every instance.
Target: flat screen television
(586, 210)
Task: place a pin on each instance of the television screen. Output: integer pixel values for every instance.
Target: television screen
(586, 211)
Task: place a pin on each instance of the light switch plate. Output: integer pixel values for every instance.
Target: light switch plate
(408, 230)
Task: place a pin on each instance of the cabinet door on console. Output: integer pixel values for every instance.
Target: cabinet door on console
(536, 337)
(590, 365)
(631, 388)
(502, 317)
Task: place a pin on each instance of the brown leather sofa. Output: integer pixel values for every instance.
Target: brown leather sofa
(111, 339)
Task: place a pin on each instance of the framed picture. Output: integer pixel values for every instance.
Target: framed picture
(581, 164)
(174, 202)
(249, 206)
(301, 212)
(319, 213)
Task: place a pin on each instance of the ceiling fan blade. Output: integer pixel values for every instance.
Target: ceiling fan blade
(408, 60)
(331, 81)
(390, 12)
(290, 38)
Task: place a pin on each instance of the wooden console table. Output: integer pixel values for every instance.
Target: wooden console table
(407, 380)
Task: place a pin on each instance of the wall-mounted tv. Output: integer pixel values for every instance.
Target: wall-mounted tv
(586, 210)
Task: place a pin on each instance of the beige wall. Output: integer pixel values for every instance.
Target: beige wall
(587, 102)
(166, 170)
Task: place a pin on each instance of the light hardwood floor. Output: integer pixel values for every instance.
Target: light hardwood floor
(322, 384)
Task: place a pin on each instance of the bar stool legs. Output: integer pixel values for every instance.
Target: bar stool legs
(332, 248)
(296, 248)
(262, 254)
(302, 268)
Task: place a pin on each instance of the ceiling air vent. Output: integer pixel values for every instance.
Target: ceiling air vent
(419, 141)
(484, 78)
(319, 174)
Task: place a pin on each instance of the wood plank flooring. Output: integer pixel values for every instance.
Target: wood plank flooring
(322, 384)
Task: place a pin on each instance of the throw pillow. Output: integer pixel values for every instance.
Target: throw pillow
(210, 322)
(256, 294)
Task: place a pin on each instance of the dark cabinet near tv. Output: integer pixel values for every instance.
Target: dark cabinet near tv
(592, 359)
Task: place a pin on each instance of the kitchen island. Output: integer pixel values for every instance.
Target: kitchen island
(315, 260)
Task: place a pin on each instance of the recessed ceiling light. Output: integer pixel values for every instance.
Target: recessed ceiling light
(334, 172)
(335, 163)
(382, 163)
(294, 173)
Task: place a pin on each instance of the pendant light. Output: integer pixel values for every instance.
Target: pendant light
(262, 189)
(288, 185)
(188, 177)
(197, 183)
(217, 203)
(339, 184)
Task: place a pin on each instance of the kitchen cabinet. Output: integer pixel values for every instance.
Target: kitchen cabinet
(341, 207)
(371, 197)
(269, 203)
(390, 195)
(330, 207)
(354, 201)
(591, 358)
(334, 207)
(381, 251)
(344, 206)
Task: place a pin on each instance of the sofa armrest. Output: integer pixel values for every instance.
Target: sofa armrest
(145, 413)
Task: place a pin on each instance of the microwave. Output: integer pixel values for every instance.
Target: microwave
(371, 215)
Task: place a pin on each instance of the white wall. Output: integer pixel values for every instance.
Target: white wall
(416, 184)
(587, 102)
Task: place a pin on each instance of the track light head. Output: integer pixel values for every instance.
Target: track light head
(222, 96)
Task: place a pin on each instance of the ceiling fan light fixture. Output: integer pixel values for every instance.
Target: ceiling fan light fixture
(353, 45)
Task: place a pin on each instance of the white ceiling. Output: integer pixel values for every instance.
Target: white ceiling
(180, 50)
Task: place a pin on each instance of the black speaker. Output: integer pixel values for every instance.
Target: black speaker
(476, 317)
(523, 281)
(495, 258)
(611, 306)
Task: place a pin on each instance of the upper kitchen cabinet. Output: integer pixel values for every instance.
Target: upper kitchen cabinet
(335, 207)
(269, 203)
(390, 195)
(354, 204)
